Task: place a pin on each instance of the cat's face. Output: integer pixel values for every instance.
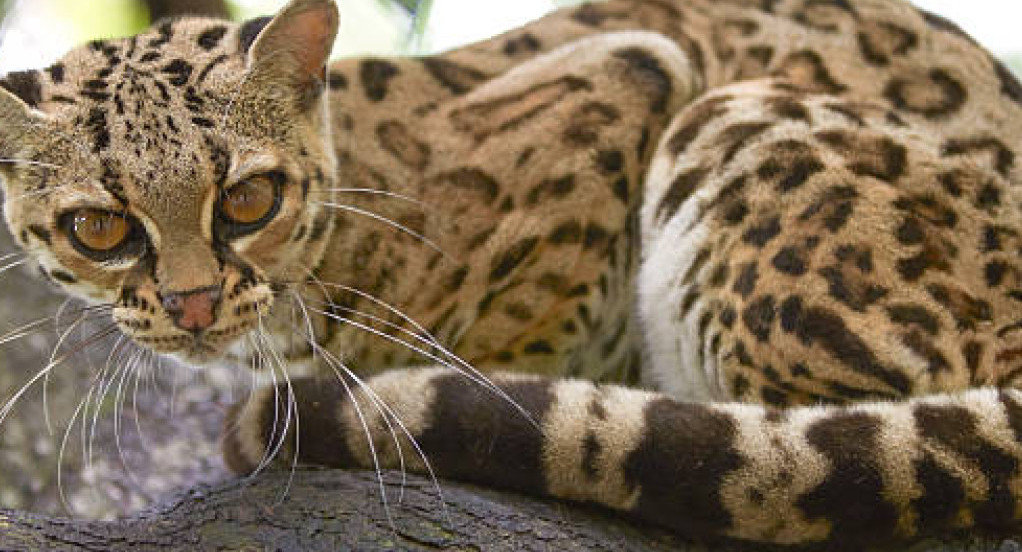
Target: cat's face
(177, 175)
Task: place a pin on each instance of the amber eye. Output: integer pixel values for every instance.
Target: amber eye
(98, 230)
(250, 201)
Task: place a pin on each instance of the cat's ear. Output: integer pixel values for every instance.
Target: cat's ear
(294, 47)
(18, 120)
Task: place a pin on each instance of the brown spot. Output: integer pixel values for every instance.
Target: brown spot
(484, 119)
(504, 263)
(695, 119)
(868, 155)
(879, 41)
(914, 316)
(941, 498)
(966, 309)
(934, 95)
(850, 286)
(790, 163)
(758, 317)
(824, 16)
(819, 325)
(736, 137)
(1002, 158)
(395, 138)
(584, 128)
(745, 282)
(790, 260)
(470, 180)
(788, 108)
(457, 78)
(375, 75)
(807, 71)
(550, 189)
(762, 232)
(525, 43)
(647, 72)
(210, 38)
(681, 188)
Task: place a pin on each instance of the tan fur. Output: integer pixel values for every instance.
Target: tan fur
(792, 203)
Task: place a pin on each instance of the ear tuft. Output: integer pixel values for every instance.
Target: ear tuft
(295, 45)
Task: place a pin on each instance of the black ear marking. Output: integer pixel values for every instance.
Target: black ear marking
(25, 85)
(250, 31)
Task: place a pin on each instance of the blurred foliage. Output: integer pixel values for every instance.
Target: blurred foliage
(104, 18)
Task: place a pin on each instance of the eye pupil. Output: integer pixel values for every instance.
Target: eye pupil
(100, 230)
(249, 201)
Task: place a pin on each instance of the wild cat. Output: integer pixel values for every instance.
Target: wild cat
(793, 222)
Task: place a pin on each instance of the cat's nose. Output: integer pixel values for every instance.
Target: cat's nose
(193, 310)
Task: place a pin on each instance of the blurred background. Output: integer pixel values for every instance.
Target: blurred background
(36, 32)
(132, 440)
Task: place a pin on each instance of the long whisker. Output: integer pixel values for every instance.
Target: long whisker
(387, 413)
(372, 191)
(119, 397)
(9, 161)
(107, 385)
(310, 337)
(99, 336)
(53, 355)
(11, 265)
(63, 444)
(484, 383)
(379, 218)
(292, 410)
(362, 420)
(83, 313)
(480, 378)
(147, 355)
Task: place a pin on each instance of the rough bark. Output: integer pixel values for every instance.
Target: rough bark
(324, 510)
(159, 9)
(313, 510)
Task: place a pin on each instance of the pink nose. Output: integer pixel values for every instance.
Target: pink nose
(193, 310)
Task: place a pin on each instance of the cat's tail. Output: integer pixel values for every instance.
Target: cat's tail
(848, 475)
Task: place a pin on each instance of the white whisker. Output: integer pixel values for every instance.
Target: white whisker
(8, 161)
(480, 378)
(379, 218)
(387, 413)
(9, 405)
(373, 191)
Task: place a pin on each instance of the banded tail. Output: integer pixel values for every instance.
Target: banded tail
(880, 472)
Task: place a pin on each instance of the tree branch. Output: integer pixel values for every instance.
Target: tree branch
(337, 510)
(158, 9)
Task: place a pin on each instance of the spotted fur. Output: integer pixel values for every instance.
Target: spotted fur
(795, 220)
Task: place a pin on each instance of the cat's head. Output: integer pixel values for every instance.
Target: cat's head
(170, 174)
